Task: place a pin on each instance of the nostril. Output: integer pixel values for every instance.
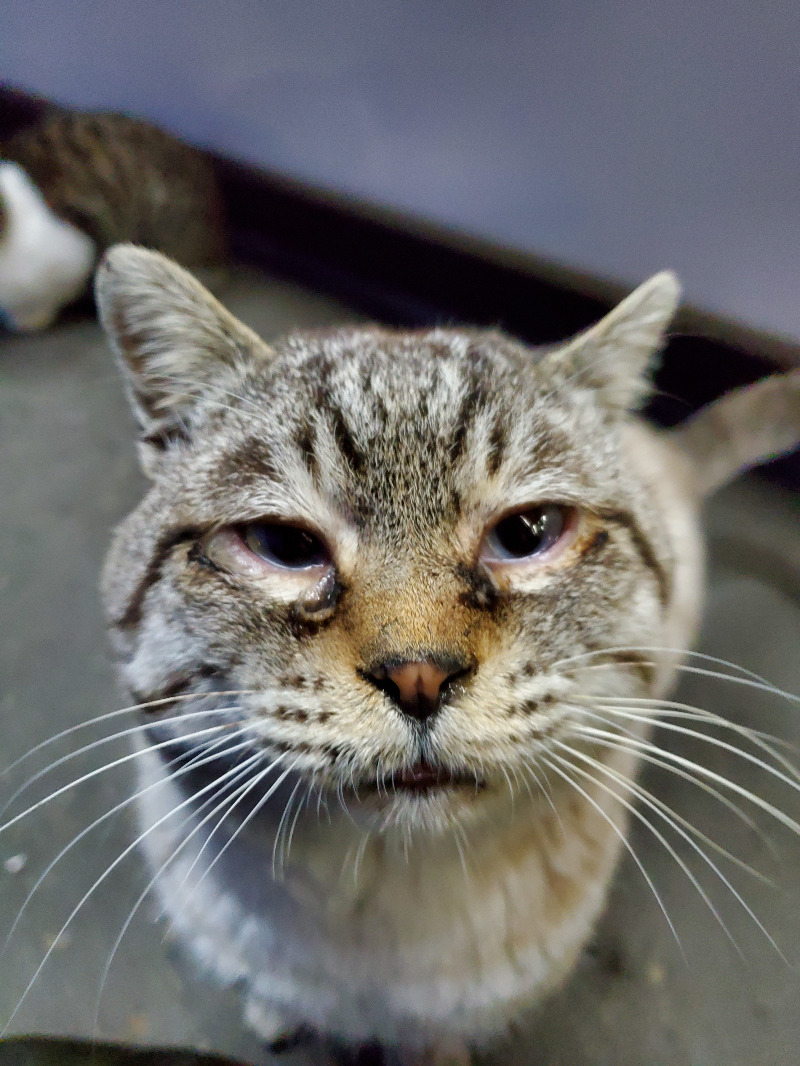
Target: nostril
(417, 686)
(385, 685)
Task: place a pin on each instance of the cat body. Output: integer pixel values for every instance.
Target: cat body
(389, 590)
(76, 183)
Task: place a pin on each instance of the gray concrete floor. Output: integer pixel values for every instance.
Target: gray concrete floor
(68, 473)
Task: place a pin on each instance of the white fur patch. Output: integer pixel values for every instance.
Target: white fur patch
(44, 261)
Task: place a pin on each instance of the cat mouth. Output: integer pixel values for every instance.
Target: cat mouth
(425, 777)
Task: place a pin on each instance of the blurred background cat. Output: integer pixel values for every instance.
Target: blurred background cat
(75, 183)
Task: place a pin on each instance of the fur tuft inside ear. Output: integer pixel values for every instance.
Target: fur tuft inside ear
(173, 339)
(615, 356)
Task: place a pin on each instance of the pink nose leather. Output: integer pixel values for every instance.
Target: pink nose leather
(418, 682)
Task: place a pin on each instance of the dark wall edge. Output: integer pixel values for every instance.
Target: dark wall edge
(409, 272)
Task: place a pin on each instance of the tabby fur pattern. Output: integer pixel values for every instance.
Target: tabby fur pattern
(424, 919)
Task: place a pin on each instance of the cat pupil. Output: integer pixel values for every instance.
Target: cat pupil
(286, 545)
(525, 534)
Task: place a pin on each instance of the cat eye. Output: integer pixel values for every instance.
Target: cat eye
(526, 534)
(291, 547)
(257, 549)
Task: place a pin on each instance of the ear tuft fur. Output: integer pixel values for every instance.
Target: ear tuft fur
(615, 356)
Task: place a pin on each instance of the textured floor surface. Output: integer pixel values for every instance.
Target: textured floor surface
(68, 473)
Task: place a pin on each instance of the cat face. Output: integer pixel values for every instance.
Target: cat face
(407, 552)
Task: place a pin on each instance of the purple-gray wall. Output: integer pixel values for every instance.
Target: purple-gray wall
(617, 137)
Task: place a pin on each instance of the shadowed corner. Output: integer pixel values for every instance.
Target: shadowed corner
(57, 1051)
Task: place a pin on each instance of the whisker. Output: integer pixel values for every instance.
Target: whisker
(672, 819)
(632, 809)
(251, 814)
(132, 731)
(359, 856)
(749, 682)
(108, 871)
(752, 797)
(290, 836)
(243, 770)
(792, 782)
(246, 768)
(134, 708)
(683, 653)
(651, 756)
(673, 709)
(626, 844)
(109, 766)
(545, 789)
(196, 761)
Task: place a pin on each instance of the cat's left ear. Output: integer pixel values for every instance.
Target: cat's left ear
(174, 341)
(615, 356)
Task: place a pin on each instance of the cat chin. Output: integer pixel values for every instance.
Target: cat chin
(430, 812)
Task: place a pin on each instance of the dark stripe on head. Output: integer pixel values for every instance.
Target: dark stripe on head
(473, 400)
(306, 440)
(462, 423)
(132, 612)
(645, 550)
(497, 446)
(250, 460)
(344, 439)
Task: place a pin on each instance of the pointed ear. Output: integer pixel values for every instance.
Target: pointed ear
(615, 356)
(172, 338)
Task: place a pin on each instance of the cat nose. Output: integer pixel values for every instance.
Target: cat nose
(416, 686)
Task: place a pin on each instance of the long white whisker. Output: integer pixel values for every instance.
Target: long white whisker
(243, 770)
(288, 837)
(131, 731)
(136, 707)
(654, 755)
(200, 760)
(108, 871)
(672, 756)
(672, 819)
(283, 820)
(632, 809)
(110, 766)
(545, 790)
(748, 682)
(791, 782)
(673, 709)
(683, 653)
(239, 796)
(245, 822)
(625, 842)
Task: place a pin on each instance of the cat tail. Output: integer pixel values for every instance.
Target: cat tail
(743, 428)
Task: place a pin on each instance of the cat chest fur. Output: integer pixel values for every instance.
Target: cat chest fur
(365, 941)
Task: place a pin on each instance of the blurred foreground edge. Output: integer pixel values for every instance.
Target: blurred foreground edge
(57, 1051)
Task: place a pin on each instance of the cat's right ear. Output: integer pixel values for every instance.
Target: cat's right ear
(174, 341)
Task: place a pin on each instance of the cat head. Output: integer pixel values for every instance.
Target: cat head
(407, 551)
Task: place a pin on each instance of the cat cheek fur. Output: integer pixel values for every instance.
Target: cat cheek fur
(462, 906)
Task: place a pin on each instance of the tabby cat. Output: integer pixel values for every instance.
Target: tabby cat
(74, 184)
(400, 608)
